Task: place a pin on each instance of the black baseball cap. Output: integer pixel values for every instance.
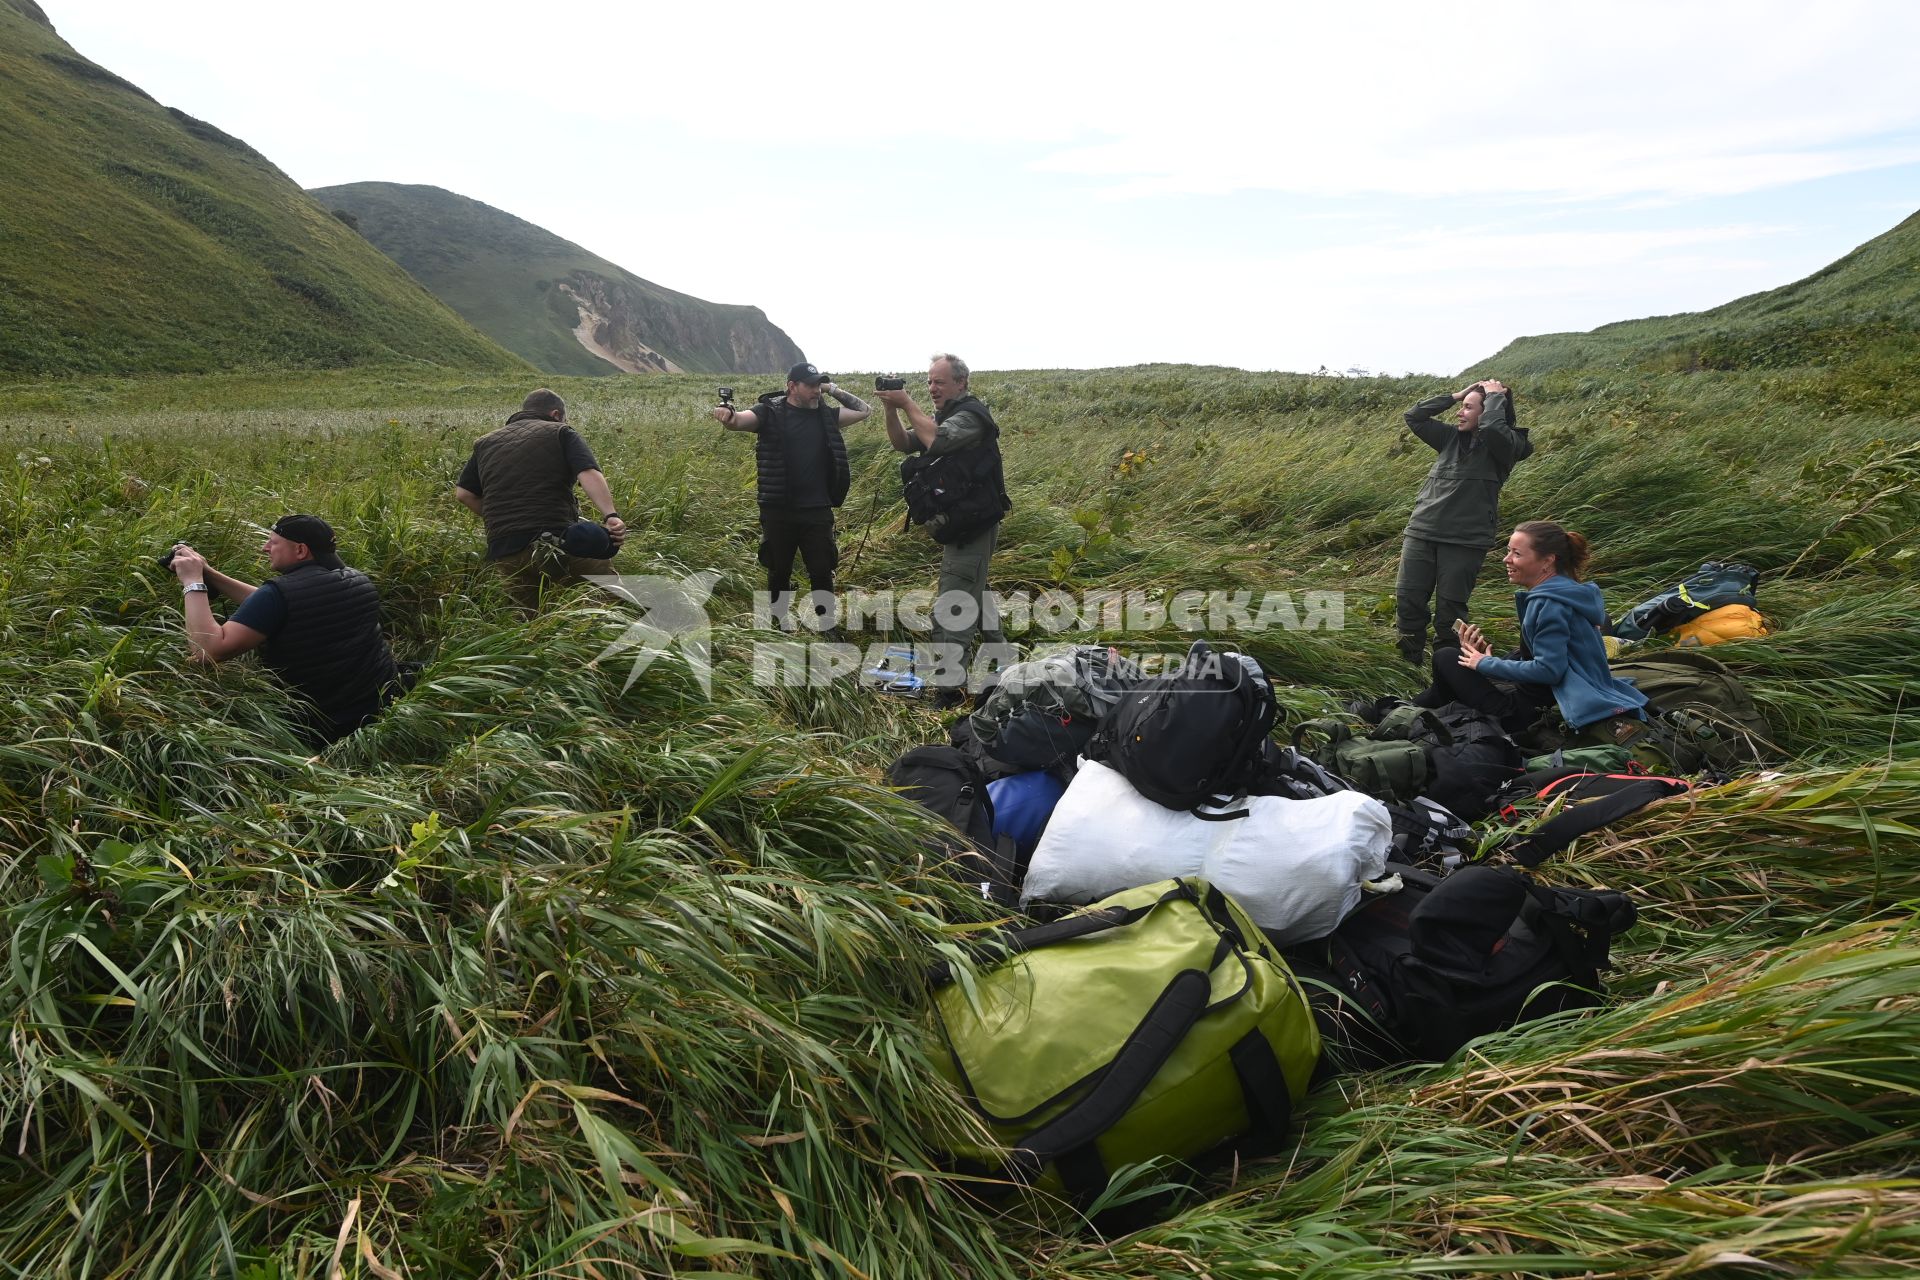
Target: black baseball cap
(804, 372)
(315, 534)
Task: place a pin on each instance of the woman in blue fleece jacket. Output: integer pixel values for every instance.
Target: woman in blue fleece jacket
(1560, 621)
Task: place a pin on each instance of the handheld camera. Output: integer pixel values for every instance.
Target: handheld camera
(726, 396)
(889, 384)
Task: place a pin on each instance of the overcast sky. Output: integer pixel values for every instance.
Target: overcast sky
(1393, 186)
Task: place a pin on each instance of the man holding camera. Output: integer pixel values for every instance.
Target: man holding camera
(1457, 515)
(956, 491)
(800, 461)
(317, 625)
(519, 480)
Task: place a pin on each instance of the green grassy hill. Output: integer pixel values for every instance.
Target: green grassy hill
(1859, 316)
(135, 238)
(546, 298)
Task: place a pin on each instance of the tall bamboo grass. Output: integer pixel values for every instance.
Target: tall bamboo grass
(552, 973)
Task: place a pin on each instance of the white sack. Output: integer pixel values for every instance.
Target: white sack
(1295, 866)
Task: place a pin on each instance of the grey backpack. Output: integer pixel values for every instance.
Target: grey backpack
(1044, 711)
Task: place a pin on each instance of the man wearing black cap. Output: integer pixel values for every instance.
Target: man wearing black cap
(317, 625)
(519, 480)
(801, 463)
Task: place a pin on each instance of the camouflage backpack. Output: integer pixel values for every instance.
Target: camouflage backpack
(1700, 717)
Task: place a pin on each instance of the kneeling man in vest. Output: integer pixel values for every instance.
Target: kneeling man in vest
(519, 480)
(317, 625)
(800, 461)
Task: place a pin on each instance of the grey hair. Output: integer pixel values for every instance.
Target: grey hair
(954, 363)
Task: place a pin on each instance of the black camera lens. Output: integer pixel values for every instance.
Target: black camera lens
(889, 384)
(165, 561)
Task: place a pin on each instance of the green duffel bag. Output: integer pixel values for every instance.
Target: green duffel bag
(1157, 1022)
(1699, 715)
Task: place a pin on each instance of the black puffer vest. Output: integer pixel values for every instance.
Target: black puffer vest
(770, 454)
(957, 495)
(331, 648)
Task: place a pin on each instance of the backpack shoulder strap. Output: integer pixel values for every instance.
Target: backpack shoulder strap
(1005, 943)
(1335, 729)
(1561, 830)
(1180, 1006)
(1574, 953)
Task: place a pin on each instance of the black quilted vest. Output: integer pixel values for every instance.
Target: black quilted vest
(331, 648)
(770, 455)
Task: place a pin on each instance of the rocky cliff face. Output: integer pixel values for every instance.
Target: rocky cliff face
(635, 329)
(605, 325)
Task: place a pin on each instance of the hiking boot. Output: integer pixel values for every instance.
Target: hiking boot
(946, 699)
(1414, 650)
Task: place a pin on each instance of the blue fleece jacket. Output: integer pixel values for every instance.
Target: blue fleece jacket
(1560, 620)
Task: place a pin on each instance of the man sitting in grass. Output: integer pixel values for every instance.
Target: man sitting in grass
(317, 625)
(519, 481)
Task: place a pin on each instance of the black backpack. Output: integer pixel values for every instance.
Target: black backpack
(1414, 975)
(1454, 756)
(1287, 772)
(1424, 831)
(1472, 758)
(992, 768)
(949, 783)
(1194, 736)
(1428, 834)
(1712, 585)
(1044, 712)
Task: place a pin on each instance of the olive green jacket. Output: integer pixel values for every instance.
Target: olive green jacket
(1460, 501)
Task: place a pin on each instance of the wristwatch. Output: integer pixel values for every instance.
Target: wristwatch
(191, 587)
(609, 516)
